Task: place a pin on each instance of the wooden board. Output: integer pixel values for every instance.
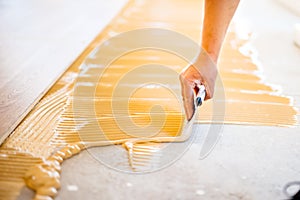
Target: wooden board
(38, 42)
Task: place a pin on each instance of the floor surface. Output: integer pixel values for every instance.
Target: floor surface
(38, 41)
(249, 162)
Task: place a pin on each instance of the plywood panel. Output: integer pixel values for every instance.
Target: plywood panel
(38, 41)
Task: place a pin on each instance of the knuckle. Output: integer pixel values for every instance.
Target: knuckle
(182, 77)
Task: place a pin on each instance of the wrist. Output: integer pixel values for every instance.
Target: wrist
(213, 57)
(206, 58)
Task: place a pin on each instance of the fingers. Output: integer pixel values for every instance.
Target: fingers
(209, 85)
(187, 92)
(206, 72)
(197, 74)
(209, 91)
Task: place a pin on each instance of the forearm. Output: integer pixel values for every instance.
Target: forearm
(203, 70)
(217, 17)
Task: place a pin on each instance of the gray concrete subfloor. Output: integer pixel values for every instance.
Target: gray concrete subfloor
(249, 162)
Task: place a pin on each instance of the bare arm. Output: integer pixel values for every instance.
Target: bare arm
(218, 15)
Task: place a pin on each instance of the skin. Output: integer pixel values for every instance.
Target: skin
(203, 70)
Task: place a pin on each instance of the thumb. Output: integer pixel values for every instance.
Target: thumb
(187, 92)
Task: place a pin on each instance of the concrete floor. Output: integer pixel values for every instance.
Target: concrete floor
(249, 162)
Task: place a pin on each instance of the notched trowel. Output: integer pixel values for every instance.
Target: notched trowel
(138, 155)
(188, 124)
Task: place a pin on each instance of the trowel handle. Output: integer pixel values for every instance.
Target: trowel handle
(200, 95)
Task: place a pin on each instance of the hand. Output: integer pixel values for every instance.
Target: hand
(202, 72)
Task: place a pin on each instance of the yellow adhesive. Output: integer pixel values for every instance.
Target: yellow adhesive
(145, 156)
(52, 132)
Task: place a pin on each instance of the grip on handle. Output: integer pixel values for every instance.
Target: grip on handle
(200, 95)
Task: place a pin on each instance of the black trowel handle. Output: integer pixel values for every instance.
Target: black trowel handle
(200, 95)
